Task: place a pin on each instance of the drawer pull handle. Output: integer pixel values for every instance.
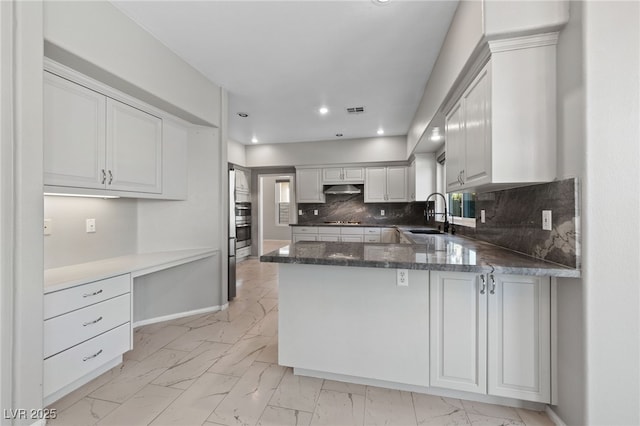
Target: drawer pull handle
(87, 358)
(92, 322)
(484, 286)
(95, 293)
(110, 177)
(493, 284)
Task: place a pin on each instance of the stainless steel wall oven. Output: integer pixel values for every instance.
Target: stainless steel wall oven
(243, 224)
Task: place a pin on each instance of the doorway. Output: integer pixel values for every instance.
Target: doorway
(276, 210)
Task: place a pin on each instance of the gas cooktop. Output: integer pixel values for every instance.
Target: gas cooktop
(342, 222)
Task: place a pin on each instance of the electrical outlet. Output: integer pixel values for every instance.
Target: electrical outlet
(546, 220)
(91, 225)
(381, 212)
(402, 277)
(48, 226)
(299, 212)
(483, 216)
(315, 212)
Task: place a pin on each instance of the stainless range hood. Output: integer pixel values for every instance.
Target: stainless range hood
(342, 189)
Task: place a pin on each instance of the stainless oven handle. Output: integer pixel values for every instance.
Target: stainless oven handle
(243, 226)
(242, 208)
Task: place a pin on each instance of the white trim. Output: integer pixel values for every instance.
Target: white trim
(180, 315)
(554, 417)
(525, 42)
(536, 406)
(554, 341)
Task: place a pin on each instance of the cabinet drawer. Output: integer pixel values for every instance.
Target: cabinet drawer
(67, 330)
(63, 301)
(70, 365)
(330, 238)
(346, 230)
(305, 230)
(352, 239)
(372, 238)
(333, 230)
(372, 231)
(304, 237)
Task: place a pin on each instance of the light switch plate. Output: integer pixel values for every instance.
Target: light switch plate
(483, 216)
(48, 226)
(402, 278)
(381, 212)
(315, 212)
(299, 212)
(546, 220)
(91, 225)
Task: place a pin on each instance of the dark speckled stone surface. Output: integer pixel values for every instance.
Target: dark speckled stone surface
(431, 252)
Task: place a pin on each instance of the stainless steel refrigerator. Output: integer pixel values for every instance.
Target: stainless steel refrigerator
(232, 234)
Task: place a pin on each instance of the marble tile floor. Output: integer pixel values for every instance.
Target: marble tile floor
(222, 369)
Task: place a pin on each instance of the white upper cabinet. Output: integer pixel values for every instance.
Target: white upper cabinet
(134, 149)
(74, 134)
(309, 186)
(242, 181)
(501, 119)
(96, 144)
(332, 175)
(385, 184)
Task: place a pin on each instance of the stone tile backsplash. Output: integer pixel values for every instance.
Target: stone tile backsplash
(513, 218)
(514, 221)
(353, 208)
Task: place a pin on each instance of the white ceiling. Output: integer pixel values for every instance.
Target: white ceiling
(281, 61)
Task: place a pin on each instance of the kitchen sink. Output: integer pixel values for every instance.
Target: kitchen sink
(425, 231)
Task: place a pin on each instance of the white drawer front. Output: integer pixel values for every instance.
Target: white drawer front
(334, 238)
(304, 237)
(372, 238)
(68, 330)
(347, 230)
(72, 364)
(335, 230)
(305, 230)
(352, 239)
(372, 231)
(70, 299)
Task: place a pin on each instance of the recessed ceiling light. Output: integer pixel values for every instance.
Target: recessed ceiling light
(243, 114)
(380, 132)
(323, 110)
(339, 135)
(254, 140)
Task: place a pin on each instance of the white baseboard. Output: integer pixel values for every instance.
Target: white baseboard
(554, 417)
(180, 315)
(536, 406)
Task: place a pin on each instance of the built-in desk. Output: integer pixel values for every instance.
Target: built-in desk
(90, 309)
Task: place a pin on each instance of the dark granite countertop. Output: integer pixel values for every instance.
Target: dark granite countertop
(363, 225)
(429, 252)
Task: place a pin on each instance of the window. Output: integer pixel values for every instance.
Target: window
(461, 206)
(282, 201)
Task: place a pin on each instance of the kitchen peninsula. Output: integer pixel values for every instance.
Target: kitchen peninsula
(445, 315)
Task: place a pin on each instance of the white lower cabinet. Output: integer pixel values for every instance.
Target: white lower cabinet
(86, 327)
(490, 334)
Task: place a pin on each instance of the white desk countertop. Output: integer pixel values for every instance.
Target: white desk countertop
(56, 279)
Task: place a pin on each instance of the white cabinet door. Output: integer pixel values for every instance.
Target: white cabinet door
(411, 181)
(454, 131)
(458, 332)
(304, 237)
(332, 175)
(74, 134)
(309, 186)
(519, 337)
(353, 174)
(242, 181)
(477, 153)
(375, 184)
(134, 149)
(397, 184)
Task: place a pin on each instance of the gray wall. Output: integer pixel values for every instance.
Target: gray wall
(385, 149)
(69, 243)
(571, 147)
(270, 230)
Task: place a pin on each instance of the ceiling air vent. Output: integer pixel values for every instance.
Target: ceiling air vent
(355, 110)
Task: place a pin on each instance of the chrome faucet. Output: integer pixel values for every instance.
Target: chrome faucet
(428, 216)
